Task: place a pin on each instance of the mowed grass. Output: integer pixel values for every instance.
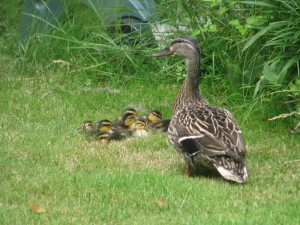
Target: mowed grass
(44, 160)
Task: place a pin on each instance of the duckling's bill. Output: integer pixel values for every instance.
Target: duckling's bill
(163, 52)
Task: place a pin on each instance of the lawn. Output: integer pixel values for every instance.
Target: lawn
(51, 174)
(44, 161)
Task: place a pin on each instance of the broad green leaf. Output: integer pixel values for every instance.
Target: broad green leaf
(223, 10)
(256, 20)
(196, 32)
(286, 67)
(212, 28)
(270, 73)
(255, 37)
(235, 22)
(258, 3)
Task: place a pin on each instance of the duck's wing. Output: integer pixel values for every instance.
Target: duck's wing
(210, 136)
(211, 132)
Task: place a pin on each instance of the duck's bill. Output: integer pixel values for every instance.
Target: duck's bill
(162, 52)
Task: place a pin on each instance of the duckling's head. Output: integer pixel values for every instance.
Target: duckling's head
(140, 124)
(186, 46)
(104, 125)
(103, 136)
(129, 119)
(86, 126)
(131, 111)
(154, 116)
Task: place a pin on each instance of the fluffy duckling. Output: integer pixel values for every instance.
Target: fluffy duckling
(87, 127)
(106, 131)
(103, 125)
(140, 128)
(115, 135)
(127, 120)
(153, 117)
(159, 127)
(201, 133)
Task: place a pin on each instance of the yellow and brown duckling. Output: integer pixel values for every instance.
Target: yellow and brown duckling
(153, 117)
(115, 135)
(140, 128)
(155, 122)
(103, 125)
(127, 120)
(87, 127)
(159, 127)
(106, 132)
(201, 133)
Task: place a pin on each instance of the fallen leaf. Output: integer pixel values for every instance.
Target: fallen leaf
(62, 62)
(36, 208)
(161, 202)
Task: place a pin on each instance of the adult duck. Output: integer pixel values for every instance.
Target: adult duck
(202, 133)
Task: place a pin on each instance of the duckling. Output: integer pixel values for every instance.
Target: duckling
(202, 133)
(106, 131)
(87, 127)
(127, 119)
(115, 135)
(103, 125)
(159, 127)
(153, 117)
(140, 129)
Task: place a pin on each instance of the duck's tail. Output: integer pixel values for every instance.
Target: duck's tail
(236, 175)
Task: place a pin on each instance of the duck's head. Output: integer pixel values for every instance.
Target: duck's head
(154, 116)
(186, 46)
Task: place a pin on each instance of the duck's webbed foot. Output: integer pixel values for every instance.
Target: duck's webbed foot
(188, 169)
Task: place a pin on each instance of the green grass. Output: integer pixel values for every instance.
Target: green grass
(46, 162)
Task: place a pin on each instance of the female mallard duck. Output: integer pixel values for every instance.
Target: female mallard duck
(202, 133)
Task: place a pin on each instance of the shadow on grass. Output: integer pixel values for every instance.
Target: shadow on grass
(198, 171)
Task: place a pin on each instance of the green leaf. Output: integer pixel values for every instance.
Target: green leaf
(243, 30)
(196, 32)
(258, 3)
(270, 72)
(234, 23)
(256, 20)
(285, 68)
(212, 28)
(255, 37)
(223, 10)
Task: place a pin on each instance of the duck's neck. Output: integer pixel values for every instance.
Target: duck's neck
(189, 93)
(191, 83)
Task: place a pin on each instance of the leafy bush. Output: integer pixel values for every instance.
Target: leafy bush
(253, 45)
(249, 48)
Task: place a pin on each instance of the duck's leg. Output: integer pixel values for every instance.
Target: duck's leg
(188, 169)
